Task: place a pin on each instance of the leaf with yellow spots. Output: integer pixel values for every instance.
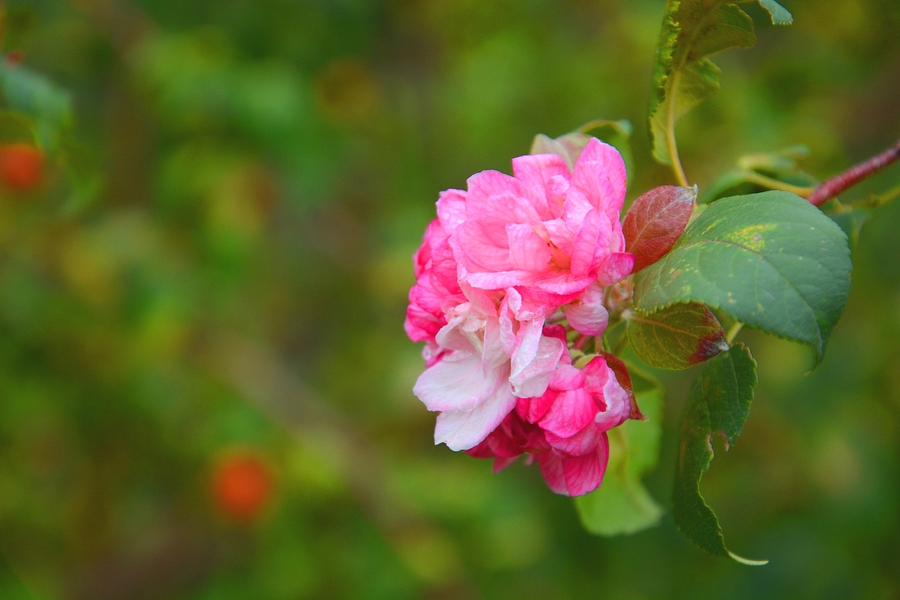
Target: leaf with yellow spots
(770, 260)
(676, 337)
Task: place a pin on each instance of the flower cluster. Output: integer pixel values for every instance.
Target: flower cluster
(501, 260)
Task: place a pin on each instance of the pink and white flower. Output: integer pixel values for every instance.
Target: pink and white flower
(500, 259)
(564, 429)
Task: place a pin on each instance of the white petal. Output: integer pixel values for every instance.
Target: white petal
(457, 382)
(464, 429)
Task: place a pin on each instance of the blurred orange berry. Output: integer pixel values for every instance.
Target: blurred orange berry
(242, 485)
(21, 167)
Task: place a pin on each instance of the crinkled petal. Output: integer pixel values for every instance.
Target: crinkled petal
(571, 412)
(583, 442)
(533, 410)
(451, 209)
(421, 325)
(562, 284)
(611, 398)
(501, 463)
(600, 174)
(543, 172)
(587, 315)
(457, 382)
(497, 198)
(479, 247)
(532, 379)
(566, 377)
(527, 251)
(586, 243)
(464, 429)
(575, 476)
(614, 268)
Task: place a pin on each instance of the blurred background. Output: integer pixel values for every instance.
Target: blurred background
(204, 380)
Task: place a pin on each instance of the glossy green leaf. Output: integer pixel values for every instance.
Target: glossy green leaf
(770, 260)
(622, 505)
(677, 336)
(683, 76)
(719, 402)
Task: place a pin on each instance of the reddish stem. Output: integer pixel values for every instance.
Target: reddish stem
(832, 187)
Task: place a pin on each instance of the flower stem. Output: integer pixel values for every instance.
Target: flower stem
(774, 184)
(733, 331)
(839, 183)
(671, 146)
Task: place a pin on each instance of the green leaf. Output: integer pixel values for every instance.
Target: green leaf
(683, 76)
(676, 337)
(719, 402)
(622, 505)
(770, 260)
(779, 14)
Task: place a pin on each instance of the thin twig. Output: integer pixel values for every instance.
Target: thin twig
(774, 184)
(832, 187)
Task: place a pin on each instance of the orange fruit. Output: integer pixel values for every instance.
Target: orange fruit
(21, 167)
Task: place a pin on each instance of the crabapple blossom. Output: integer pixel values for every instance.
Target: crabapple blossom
(502, 258)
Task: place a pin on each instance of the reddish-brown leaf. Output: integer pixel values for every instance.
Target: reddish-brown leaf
(655, 221)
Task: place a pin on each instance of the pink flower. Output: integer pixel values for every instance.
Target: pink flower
(489, 360)
(546, 231)
(564, 430)
(498, 261)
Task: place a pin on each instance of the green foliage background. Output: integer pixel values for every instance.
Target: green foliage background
(237, 275)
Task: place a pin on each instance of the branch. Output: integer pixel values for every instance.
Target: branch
(832, 187)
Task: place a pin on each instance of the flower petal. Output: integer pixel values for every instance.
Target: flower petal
(457, 382)
(571, 412)
(587, 315)
(464, 429)
(614, 268)
(600, 174)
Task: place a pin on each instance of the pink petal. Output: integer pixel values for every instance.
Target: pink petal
(421, 325)
(463, 429)
(567, 378)
(572, 412)
(480, 247)
(527, 251)
(611, 398)
(533, 410)
(451, 209)
(584, 474)
(586, 242)
(552, 470)
(600, 174)
(501, 463)
(497, 198)
(575, 476)
(587, 315)
(539, 171)
(577, 206)
(583, 442)
(497, 280)
(616, 267)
